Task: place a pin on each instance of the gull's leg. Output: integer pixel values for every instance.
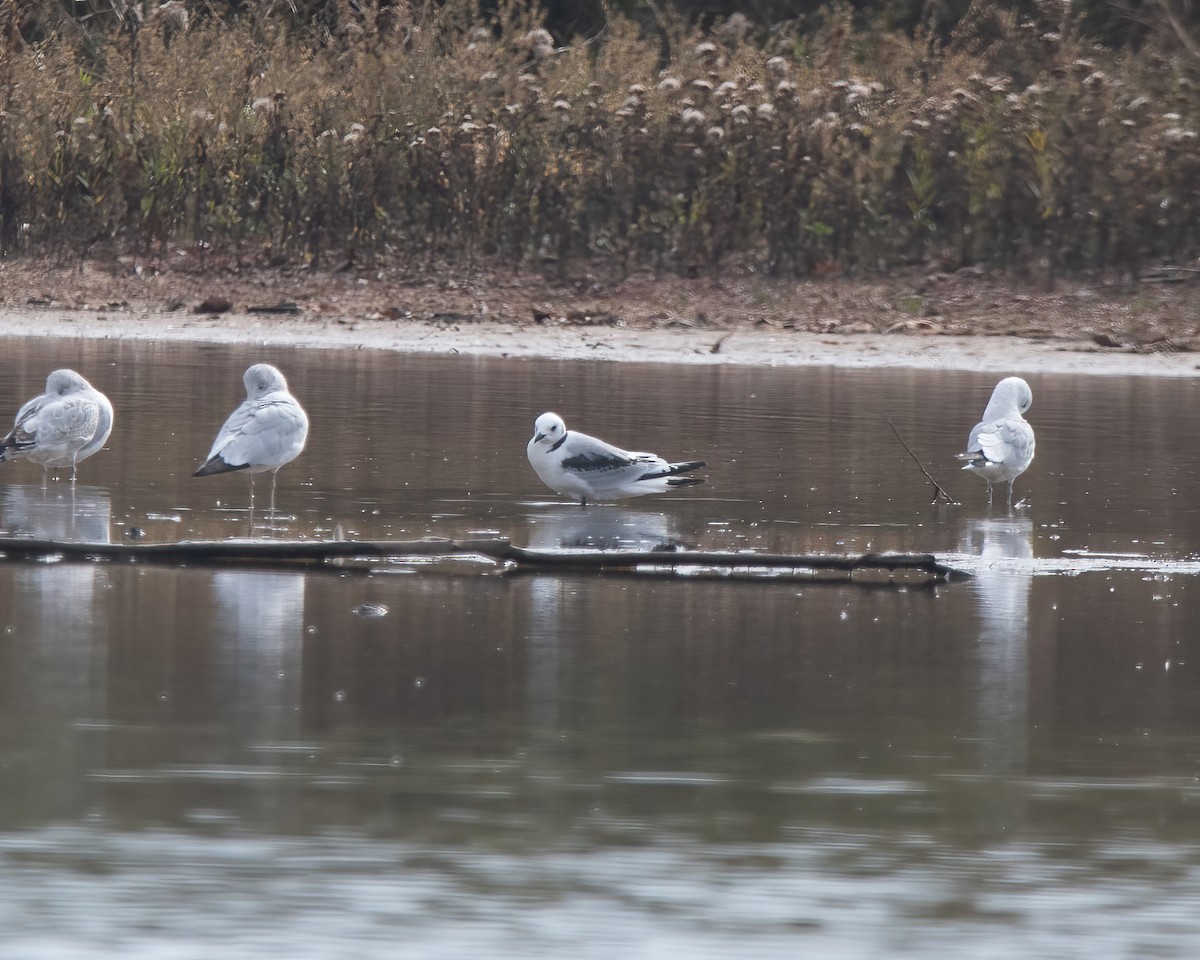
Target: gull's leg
(250, 513)
(274, 474)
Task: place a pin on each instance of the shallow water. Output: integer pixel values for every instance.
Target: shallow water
(246, 763)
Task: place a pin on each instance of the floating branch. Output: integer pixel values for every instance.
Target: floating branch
(321, 553)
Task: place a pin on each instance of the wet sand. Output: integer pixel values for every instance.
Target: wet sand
(971, 319)
(747, 346)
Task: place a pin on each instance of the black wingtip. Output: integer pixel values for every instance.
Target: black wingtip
(675, 468)
(13, 444)
(683, 481)
(217, 465)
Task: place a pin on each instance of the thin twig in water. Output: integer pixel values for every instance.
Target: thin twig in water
(939, 490)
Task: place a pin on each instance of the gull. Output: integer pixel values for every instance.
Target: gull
(584, 468)
(62, 427)
(265, 432)
(1001, 445)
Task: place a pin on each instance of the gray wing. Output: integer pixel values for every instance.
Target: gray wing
(595, 462)
(28, 410)
(602, 463)
(18, 437)
(1002, 441)
(69, 420)
(261, 432)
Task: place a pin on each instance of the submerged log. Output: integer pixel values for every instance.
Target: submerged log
(796, 564)
(233, 552)
(336, 553)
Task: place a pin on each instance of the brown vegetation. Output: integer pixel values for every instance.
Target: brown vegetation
(432, 134)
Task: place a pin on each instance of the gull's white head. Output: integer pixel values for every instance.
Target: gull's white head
(261, 379)
(549, 427)
(64, 382)
(1014, 390)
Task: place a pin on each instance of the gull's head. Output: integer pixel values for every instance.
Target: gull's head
(261, 379)
(63, 382)
(1016, 390)
(549, 427)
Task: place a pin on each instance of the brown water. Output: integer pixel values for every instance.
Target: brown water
(199, 763)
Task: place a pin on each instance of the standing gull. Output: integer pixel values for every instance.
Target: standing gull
(584, 468)
(1001, 445)
(62, 427)
(265, 432)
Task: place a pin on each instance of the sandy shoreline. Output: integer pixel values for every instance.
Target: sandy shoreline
(743, 346)
(971, 319)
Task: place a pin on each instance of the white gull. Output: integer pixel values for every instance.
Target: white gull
(585, 468)
(62, 427)
(267, 431)
(1000, 446)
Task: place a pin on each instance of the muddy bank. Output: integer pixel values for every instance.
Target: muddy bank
(968, 320)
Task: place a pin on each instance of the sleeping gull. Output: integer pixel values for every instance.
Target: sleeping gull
(584, 468)
(265, 432)
(1001, 445)
(62, 427)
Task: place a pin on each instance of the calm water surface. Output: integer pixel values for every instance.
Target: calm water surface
(236, 763)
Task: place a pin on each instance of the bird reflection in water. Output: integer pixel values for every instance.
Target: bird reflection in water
(1002, 583)
(607, 528)
(75, 513)
(58, 632)
(260, 619)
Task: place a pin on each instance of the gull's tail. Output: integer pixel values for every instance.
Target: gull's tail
(669, 474)
(672, 469)
(974, 458)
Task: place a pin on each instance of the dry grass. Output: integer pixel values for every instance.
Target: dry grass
(439, 136)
